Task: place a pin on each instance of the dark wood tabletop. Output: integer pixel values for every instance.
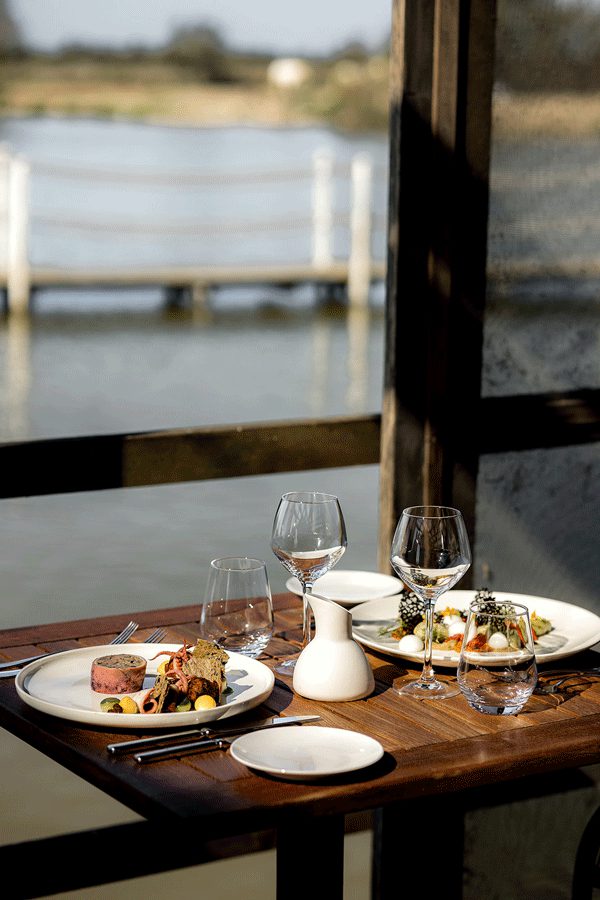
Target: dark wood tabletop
(434, 752)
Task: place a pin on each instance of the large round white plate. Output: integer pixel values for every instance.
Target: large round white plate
(575, 629)
(349, 588)
(60, 685)
(306, 752)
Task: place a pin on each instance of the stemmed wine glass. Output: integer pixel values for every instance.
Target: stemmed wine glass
(308, 538)
(430, 553)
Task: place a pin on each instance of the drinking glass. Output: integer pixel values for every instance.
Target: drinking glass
(430, 552)
(238, 612)
(497, 672)
(308, 539)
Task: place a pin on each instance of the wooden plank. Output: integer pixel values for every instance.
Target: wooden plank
(534, 421)
(439, 160)
(102, 462)
(251, 450)
(402, 431)
(335, 272)
(87, 854)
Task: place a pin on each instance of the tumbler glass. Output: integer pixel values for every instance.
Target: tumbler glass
(497, 671)
(238, 612)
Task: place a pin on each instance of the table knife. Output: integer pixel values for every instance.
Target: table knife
(139, 743)
(218, 741)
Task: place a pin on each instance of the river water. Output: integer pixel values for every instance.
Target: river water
(92, 362)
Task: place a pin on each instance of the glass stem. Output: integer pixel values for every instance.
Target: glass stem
(306, 613)
(428, 674)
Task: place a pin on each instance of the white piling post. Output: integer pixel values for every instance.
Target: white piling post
(359, 264)
(18, 274)
(322, 205)
(4, 164)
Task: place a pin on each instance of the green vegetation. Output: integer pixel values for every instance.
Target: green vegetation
(546, 51)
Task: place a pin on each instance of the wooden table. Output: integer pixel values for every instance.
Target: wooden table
(440, 757)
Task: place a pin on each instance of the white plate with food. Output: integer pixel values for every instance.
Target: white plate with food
(571, 627)
(60, 685)
(348, 588)
(302, 754)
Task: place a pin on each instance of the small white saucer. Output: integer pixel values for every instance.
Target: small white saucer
(305, 753)
(349, 587)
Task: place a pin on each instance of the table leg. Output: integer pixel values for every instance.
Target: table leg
(426, 834)
(310, 858)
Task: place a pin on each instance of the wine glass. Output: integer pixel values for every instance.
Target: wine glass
(430, 553)
(238, 611)
(308, 538)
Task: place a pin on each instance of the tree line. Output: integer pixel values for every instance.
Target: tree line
(541, 45)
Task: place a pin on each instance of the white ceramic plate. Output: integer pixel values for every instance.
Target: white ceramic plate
(575, 629)
(306, 752)
(349, 588)
(60, 685)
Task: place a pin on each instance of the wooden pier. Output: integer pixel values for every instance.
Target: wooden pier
(193, 283)
(352, 276)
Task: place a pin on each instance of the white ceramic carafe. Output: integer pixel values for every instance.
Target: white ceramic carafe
(332, 666)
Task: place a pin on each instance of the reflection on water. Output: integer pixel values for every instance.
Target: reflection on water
(357, 359)
(16, 379)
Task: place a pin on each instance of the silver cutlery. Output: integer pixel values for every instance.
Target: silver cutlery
(211, 738)
(128, 746)
(563, 679)
(154, 638)
(127, 632)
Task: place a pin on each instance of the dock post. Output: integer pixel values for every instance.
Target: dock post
(4, 164)
(17, 257)
(322, 206)
(359, 264)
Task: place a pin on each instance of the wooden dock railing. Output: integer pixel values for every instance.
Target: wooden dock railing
(19, 277)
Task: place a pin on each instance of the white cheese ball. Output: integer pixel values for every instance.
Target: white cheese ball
(451, 619)
(497, 641)
(410, 643)
(457, 627)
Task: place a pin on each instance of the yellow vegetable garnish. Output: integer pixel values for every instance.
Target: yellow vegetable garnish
(128, 705)
(204, 702)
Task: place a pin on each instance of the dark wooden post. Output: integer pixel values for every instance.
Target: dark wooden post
(440, 119)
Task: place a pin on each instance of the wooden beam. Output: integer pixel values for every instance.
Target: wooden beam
(91, 463)
(538, 421)
(440, 115)
(102, 462)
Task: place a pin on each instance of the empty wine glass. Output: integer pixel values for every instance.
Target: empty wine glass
(238, 612)
(430, 553)
(308, 538)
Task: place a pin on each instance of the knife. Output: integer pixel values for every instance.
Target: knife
(213, 733)
(219, 741)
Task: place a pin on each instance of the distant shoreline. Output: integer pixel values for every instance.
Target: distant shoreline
(161, 95)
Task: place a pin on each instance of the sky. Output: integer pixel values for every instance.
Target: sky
(284, 27)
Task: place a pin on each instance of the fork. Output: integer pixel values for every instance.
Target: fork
(553, 687)
(127, 632)
(154, 638)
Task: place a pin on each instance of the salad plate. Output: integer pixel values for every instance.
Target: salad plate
(573, 628)
(349, 587)
(60, 686)
(302, 754)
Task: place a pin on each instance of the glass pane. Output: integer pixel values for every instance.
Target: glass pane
(80, 555)
(537, 523)
(544, 230)
(536, 511)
